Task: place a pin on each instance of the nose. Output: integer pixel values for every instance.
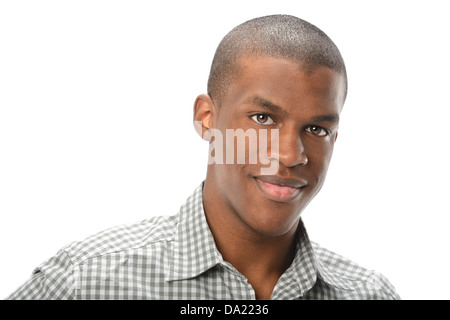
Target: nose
(291, 150)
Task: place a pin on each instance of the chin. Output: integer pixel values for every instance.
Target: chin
(274, 232)
(273, 223)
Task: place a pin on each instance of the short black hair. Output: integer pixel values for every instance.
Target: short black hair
(279, 36)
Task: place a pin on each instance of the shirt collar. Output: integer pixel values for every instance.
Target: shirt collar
(194, 252)
(307, 267)
(328, 272)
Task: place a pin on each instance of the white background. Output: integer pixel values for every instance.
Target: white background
(96, 127)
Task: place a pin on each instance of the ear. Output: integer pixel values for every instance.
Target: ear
(204, 114)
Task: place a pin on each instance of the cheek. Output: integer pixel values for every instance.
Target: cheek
(232, 178)
(319, 161)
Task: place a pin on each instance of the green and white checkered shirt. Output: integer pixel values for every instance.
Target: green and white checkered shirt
(175, 257)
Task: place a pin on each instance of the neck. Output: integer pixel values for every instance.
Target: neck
(262, 259)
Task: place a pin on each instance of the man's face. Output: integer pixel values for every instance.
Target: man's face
(272, 93)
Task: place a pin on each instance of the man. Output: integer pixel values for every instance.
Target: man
(239, 236)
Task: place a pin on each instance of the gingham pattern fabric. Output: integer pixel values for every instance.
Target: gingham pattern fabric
(175, 257)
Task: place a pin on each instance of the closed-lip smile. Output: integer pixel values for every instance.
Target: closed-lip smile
(279, 189)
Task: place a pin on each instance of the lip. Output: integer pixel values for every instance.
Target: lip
(279, 189)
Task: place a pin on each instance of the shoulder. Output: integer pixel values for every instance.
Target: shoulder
(60, 276)
(346, 275)
(122, 238)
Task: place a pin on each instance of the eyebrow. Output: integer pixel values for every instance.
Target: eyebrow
(332, 118)
(264, 103)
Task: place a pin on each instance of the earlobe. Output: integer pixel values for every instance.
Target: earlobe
(204, 110)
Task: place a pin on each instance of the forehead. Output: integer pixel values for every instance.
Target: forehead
(286, 82)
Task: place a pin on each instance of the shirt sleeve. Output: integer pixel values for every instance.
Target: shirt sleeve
(386, 291)
(53, 280)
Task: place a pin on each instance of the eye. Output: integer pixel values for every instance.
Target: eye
(263, 119)
(317, 131)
